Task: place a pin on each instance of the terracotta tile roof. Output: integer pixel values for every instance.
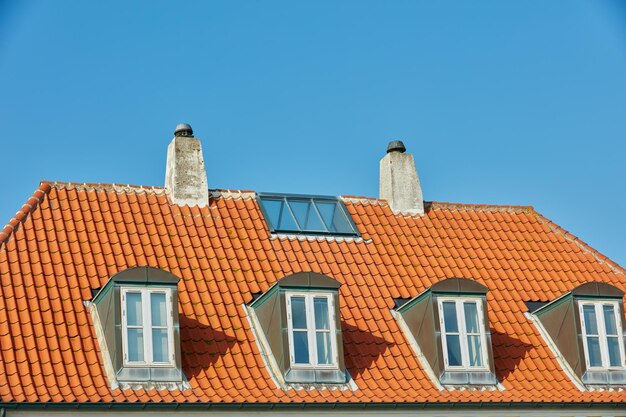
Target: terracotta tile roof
(70, 238)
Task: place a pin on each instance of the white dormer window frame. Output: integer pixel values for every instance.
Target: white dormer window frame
(316, 325)
(141, 325)
(460, 330)
(603, 333)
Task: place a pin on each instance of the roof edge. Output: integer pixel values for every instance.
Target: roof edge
(33, 201)
(615, 267)
(360, 406)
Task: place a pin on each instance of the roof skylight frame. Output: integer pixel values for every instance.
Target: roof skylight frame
(312, 200)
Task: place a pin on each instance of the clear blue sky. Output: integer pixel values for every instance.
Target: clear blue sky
(516, 102)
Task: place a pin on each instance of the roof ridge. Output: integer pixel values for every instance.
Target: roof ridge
(215, 193)
(101, 186)
(446, 205)
(482, 207)
(615, 267)
(226, 193)
(24, 211)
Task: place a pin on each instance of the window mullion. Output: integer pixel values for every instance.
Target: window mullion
(147, 325)
(602, 340)
(311, 331)
(460, 315)
(602, 335)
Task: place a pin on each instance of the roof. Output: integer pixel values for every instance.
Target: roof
(69, 239)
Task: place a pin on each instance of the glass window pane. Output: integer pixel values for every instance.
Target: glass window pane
(306, 216)
(449, 317)
(298, 313)
(321, 313)
(591, 325)
(593, 348)
(614, 354)
(474, 351)
(159, 310)
(133, 309)
(300, 347)
(471, 317)
(323, 348)
(333, 217)
(454, 350)
(135, 345)
(160, 347)
(278, 214)
(609, 320)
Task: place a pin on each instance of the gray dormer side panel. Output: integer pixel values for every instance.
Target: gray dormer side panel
(560, 322)
(106, 313)
(271, 314)
(420, 319)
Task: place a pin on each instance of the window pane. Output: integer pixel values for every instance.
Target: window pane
(474, 350)
(135, 345)
(333, 217)
(278, 214)
(298, 313)
(449, 317)
(454, 350)
(159, 310)
(471, 317)
(300, 347)
(306, 216)
(133, 309)
(323, 348)
(593, 347)
(609, 320)
(160, 347)
(591, 325)
(614, 354)
(321, 313)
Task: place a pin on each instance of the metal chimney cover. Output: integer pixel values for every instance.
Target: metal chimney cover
(184, 130)
(396, 146)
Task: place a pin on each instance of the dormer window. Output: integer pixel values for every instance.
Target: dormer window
(297, 326)
(585, 330)
(137, 326)
(603, 343)
(311, 341)
(147, 328)
(462, 333)
(447, 326)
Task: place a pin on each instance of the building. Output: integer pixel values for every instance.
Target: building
(185, 299)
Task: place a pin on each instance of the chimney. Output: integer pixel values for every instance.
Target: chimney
(185, 175)
(399, 183)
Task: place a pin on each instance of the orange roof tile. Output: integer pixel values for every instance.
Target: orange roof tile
(71, 238)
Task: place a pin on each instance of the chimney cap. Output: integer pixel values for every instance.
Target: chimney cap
(396, 146)
(184, 130)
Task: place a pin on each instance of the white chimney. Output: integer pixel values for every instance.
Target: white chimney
(399, 184)
(185, 175)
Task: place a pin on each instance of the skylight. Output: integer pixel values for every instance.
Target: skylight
(315, 215)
